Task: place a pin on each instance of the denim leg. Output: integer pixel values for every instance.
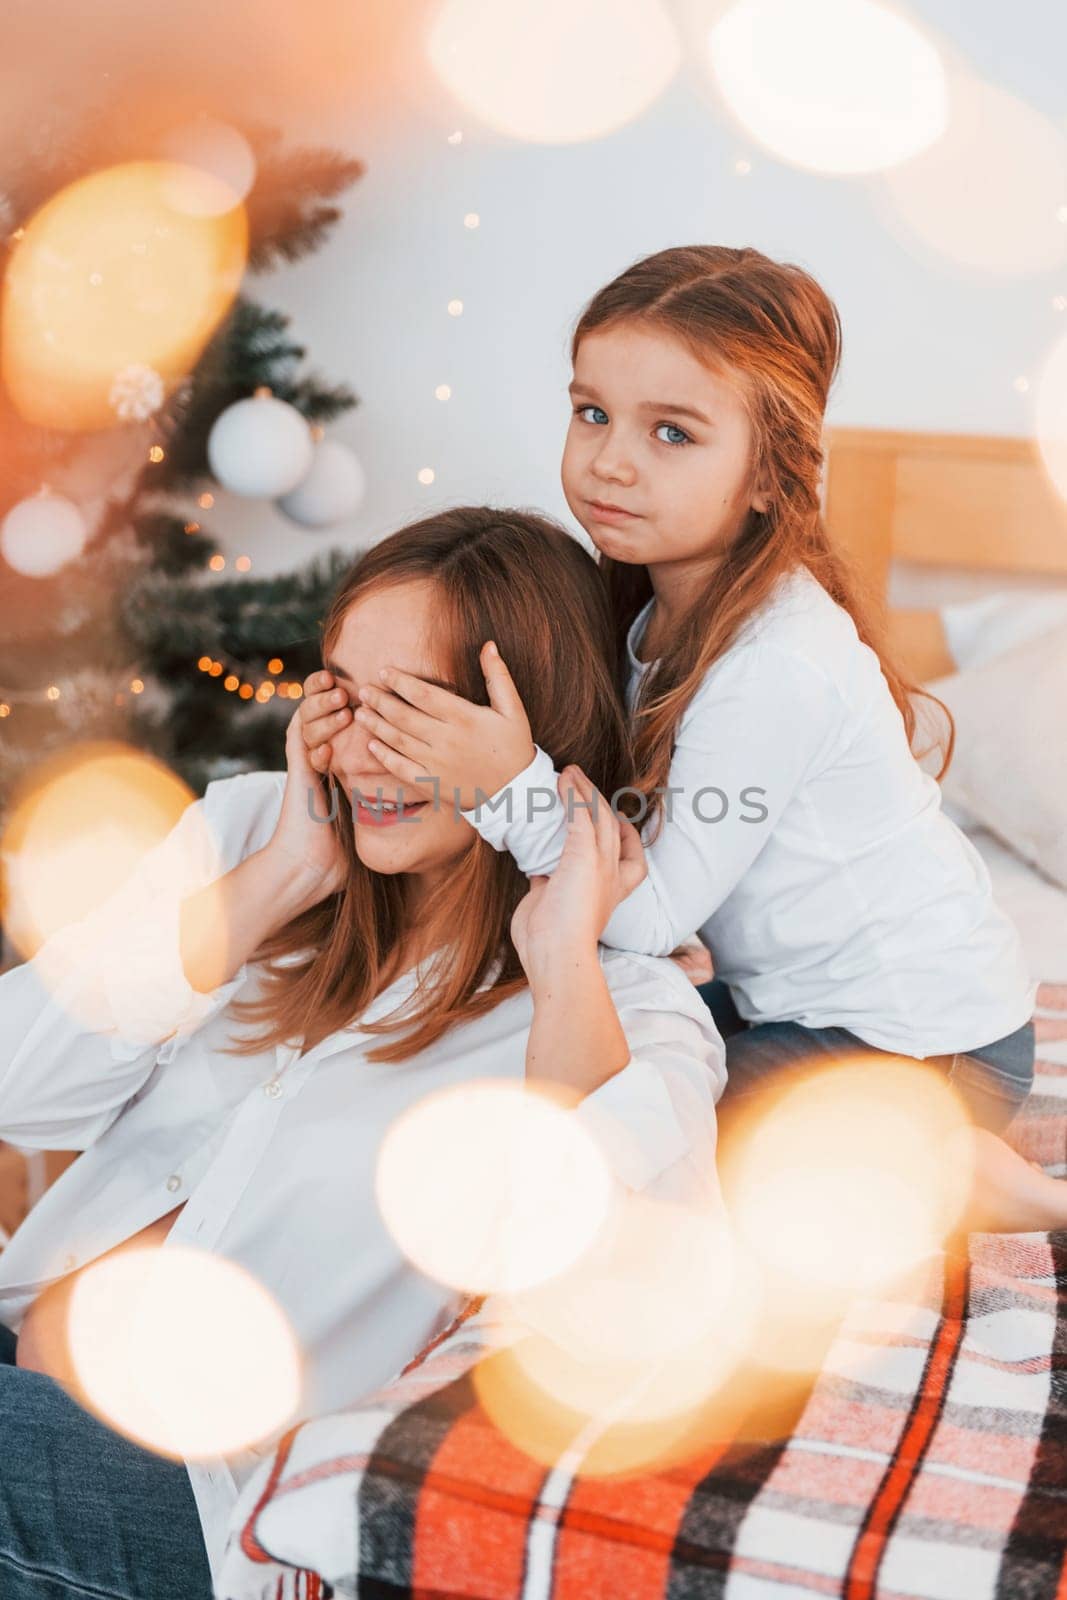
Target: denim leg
(995, 1078)
(755, 1055)
(84, 1513)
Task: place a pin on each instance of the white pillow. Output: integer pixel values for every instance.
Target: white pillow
(1009, 768)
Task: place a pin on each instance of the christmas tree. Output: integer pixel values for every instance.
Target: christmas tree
(132, 639)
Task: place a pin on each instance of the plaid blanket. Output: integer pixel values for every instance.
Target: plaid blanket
(928, 1460)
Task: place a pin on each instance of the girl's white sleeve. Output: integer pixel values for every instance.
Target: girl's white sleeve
(763, 718)
(84, 1022)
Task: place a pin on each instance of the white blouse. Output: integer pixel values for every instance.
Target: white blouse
(805, 845)
(105, 1048)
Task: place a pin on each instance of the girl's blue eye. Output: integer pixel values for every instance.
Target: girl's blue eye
(670, 426)
(580, 411)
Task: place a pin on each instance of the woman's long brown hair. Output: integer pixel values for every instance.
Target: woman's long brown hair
(523, 581)
(769, 328)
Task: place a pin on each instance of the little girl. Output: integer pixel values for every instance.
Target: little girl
(788, 822)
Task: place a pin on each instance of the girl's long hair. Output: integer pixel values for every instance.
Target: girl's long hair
(523, 581)
(769, 328)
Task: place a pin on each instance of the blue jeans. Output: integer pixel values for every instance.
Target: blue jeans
(85, 1514)
(993, 1079)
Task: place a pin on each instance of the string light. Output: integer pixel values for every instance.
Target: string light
(192, 527)
(426, 474)
(206, 501)
(453, 138)
(471, 220)
(443, 392)
(243, 563)
(1021, 385)
(742, 167)
(217, 562)
(212, 668)
(455, 308)
(156, 453)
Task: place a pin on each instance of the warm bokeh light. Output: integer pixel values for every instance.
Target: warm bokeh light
(633, 1346)
(835, 86)
(843, 1184)
(1051, 416)
(183, 1351)
(108, 275)
(213, 167)
(76, 828)
(553, 72)
(489, 1186)
(986, 195)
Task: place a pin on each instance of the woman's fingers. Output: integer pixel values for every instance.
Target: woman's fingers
(603, 820)
(578, 816)
(324, 710)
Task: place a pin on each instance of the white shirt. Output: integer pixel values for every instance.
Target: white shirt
(274, 1156)
(833, 892)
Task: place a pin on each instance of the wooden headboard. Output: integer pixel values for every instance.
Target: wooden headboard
(942, 499)
(971, 501)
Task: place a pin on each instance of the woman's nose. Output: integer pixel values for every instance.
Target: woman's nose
(351, 746)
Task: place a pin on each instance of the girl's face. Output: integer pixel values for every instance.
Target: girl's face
(657, 436)
(392, 627)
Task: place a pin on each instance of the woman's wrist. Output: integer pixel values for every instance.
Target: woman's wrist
(576, 1040)
(296, 885)
(552, 966)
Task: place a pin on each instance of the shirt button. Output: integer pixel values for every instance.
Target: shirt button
(272, 1090)
(174, 1182)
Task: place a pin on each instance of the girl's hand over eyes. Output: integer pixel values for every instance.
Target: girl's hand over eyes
(421, 731)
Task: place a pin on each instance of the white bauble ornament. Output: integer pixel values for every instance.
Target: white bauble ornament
(42, 534)
(260, 447)
(333, 488)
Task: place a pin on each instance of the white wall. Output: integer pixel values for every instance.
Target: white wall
(927, 345)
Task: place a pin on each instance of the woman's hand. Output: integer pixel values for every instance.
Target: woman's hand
(603, 861)
(420, 731)
(307, 842)
(323, 711)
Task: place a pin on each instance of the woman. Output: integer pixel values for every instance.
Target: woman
(378, 957)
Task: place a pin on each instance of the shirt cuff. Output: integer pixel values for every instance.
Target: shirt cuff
(531, 793)
(633, 1121)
